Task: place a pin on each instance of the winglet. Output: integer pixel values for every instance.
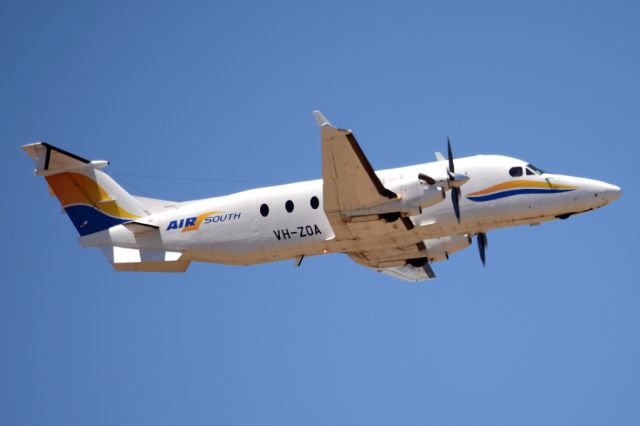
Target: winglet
(321, 120)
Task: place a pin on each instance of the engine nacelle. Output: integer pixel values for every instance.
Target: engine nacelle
(413, 196)
(416, 195)
(440, 248)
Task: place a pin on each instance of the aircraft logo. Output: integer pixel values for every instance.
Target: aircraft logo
(193, 223)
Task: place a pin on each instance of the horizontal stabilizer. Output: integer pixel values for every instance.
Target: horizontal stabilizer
(145, 260)
(50, 159)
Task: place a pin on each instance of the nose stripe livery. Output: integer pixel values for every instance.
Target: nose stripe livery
(518, 187)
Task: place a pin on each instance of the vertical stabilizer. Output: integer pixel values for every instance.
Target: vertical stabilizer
(93, 201)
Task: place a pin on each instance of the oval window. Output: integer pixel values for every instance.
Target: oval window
(264, 210)
(289, 206)
(315, 202)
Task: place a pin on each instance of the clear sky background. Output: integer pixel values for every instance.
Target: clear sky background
(222, 93)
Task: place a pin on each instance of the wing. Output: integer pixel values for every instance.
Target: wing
(350, 184)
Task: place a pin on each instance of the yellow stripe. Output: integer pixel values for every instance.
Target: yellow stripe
(76, 188)
(521, 184)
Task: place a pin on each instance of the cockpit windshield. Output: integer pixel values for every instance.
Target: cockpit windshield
(535, 169)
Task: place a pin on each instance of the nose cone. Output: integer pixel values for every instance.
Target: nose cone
(589, 194)
(611, 192)
(605, 191)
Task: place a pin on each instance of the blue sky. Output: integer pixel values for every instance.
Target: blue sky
(222, 92)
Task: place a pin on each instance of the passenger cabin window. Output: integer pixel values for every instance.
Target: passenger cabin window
(289, 206)
(315, 203)
(515, 171)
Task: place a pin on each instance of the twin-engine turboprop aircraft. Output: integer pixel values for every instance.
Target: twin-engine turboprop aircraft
(396, 221)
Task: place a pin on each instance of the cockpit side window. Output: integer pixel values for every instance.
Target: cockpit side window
(535, 169)
(515, 171)
(529, 172)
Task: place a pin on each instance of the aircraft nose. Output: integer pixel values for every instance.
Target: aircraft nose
(611, 192)
(607, 192)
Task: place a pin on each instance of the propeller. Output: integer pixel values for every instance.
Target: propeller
(483, 244)
(455, 190)
(453, 181)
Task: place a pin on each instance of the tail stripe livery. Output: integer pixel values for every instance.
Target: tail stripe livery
(75, 188)
(88, 220)
(93, 201)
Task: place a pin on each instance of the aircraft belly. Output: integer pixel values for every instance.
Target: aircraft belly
(250, 251)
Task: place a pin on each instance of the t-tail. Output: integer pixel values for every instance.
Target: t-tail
(95, 202)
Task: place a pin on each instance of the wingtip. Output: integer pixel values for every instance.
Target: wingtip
(31, 145)
(321, 120)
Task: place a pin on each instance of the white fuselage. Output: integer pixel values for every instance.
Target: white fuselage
(232, 230)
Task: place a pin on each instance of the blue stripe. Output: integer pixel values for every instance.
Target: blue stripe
(520, 191)
(88, 220)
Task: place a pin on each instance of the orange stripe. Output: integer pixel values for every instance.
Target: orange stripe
(76, 188)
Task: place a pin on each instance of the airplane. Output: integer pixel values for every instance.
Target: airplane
(396, 221)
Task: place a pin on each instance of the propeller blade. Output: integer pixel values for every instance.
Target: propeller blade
(425, 178)
(483, 243)
(450, 154)
(455, 190)
(455, 198)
